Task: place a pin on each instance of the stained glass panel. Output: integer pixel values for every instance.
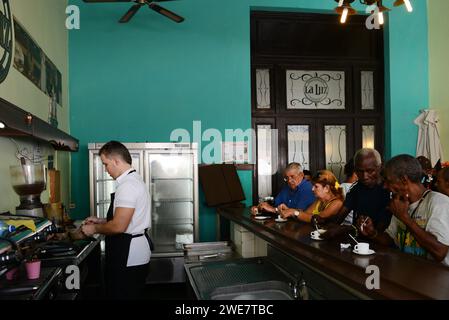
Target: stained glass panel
(298, 145)
(335, 149)
(263, 88)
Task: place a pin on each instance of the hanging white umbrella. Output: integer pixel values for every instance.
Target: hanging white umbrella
(429, 144)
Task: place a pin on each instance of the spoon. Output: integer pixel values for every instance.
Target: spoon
(363, 223)
(316, 224)
(353, 239)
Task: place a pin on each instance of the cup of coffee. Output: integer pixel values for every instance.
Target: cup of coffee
(317, 233)
(362, 247)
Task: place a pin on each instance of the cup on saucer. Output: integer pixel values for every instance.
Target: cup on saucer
(315, 235)
(363, 248)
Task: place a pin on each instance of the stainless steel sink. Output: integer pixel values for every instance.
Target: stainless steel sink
(251, 279)
(266, 290)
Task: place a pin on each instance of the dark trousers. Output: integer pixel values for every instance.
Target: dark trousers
(127, 283)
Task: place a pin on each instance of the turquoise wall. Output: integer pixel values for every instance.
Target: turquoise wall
(141, 80)
(407, 76)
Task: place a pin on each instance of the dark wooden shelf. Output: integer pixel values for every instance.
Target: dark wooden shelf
(20, 123)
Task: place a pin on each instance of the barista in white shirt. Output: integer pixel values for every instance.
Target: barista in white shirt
(127, 242)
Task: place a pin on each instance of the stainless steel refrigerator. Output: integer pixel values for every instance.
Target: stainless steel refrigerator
(170, 171)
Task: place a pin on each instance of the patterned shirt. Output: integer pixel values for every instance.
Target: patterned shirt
(432, 215)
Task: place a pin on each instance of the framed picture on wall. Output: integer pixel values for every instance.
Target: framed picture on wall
(33, 63)
(53, 81)
(28, 55)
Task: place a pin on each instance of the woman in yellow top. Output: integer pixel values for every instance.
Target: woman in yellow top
(329, 198)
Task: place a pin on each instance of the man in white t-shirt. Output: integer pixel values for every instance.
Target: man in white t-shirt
(127, 242)
(420, 225)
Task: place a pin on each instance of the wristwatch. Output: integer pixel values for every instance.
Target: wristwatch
(296, 213)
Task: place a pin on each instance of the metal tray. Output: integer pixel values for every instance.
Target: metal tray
(206, 245)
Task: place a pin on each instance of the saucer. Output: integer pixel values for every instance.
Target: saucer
(280, 220)
(370, 251)
(261, 217)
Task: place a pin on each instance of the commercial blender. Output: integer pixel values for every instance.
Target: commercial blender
(28, 181)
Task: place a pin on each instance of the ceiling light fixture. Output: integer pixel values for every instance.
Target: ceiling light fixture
(2, 125)
(381, 10)
(407, 4)
(344, 8)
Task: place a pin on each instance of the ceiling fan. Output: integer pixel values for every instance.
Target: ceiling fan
(152, 4)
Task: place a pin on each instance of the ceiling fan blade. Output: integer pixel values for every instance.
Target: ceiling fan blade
(99, 1)
(131, 12)
(169, 14)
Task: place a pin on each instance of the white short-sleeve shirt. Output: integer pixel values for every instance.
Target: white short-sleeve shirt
(131, 192)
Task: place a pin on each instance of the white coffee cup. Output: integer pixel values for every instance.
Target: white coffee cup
(317, 233)
(362, 247)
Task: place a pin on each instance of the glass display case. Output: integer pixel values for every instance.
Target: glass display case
(172, 179)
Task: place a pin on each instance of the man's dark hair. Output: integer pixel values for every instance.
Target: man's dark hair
(116, 148)
(425, 163)
(405, 165)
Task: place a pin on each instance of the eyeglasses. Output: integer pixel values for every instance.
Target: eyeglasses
(286, 179)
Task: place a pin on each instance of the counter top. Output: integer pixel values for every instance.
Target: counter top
(86, 247)
(25, 289)
(402, 276)
(52, 271)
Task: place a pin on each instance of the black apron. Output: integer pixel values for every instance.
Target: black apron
(117, 252)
